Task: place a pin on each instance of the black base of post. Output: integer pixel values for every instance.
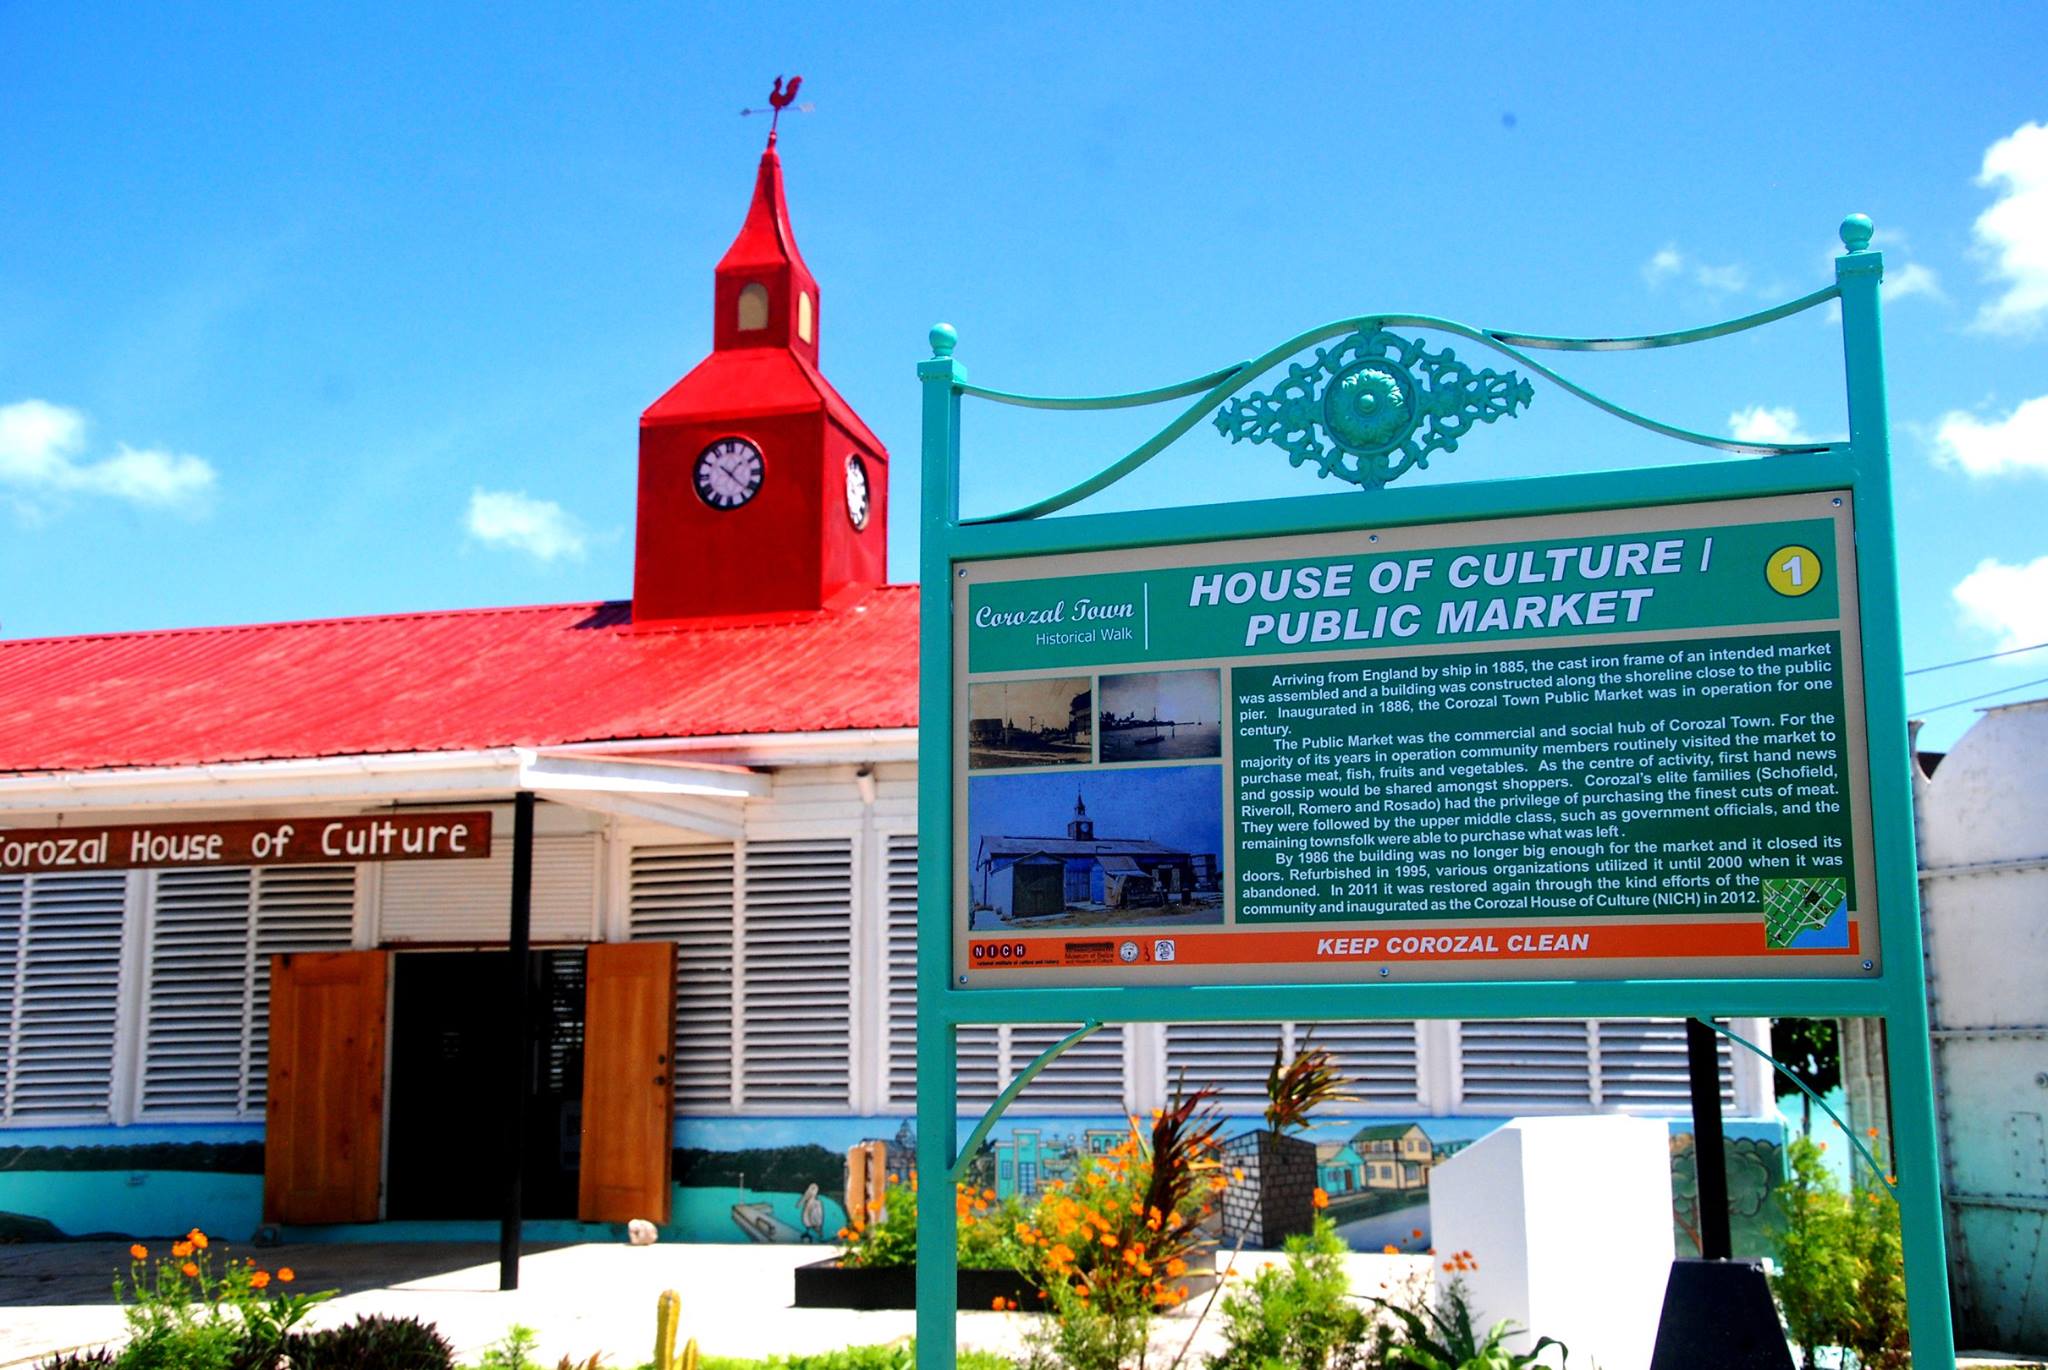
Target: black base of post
(1719, 1314)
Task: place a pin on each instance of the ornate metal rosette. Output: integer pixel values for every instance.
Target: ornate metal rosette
(1372, 406)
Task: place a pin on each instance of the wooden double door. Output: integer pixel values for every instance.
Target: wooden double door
(330, 1017)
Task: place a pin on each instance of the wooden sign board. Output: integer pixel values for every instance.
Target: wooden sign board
(248, 842)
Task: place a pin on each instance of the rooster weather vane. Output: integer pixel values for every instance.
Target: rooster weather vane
(780, 99)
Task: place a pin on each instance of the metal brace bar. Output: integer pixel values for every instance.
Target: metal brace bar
(1024, 1077)
(2023, 1203)
(2022, 1032)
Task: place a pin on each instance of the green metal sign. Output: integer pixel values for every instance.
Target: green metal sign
(1621, 744)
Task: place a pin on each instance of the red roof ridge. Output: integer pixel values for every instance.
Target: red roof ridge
(707, 623)
(267, 626)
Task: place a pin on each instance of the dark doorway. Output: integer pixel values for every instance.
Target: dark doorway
(449, 1085)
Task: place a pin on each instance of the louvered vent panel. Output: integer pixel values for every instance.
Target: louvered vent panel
(796, 976)
(684, 895)
(471, 901)
(11, 924)
(1088, 1075)
(1234, 1058)
(1642, 1065)
(298, 908)
(902, 989)
(69, 981)
(1379, 1061)
(979, 1062)
(1534, 1064)
(196, 1040)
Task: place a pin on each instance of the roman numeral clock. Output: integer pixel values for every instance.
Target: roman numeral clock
(728, 473)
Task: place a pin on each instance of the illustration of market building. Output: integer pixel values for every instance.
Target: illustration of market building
(1026, 876)
(721, 777)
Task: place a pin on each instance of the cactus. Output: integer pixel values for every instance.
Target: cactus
(668, 1314)
(689, 1361)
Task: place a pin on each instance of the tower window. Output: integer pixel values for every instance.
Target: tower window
(803, 315)
(753, 307)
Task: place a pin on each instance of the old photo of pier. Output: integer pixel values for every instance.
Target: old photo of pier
(1030, 723)
(1162, 716)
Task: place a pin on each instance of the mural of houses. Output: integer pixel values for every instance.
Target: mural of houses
(1396, 1155)
(1047, 875)
(1027, 1160)
(1340, 1170)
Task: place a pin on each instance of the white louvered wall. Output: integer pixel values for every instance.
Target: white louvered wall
(685, 895)
(796, 972)
(471, 901)
(764, 969)
(1540, 1065)
(212, 932)
(63, 979)
(1381, 1062)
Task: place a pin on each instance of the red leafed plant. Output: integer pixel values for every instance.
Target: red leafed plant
(1297, 1088)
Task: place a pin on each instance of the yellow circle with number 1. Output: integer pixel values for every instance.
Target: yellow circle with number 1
(1793, 571)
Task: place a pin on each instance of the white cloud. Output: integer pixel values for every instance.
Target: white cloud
(1913, 279)
(2013, 232)
(1669, 263)
(2010, 601)
(1995, 447)
(41, 446)
(511, 518)
(1760, 424)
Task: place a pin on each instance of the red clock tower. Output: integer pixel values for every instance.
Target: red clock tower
(761, 491)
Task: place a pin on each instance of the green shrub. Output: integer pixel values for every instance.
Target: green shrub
(1442, 1337)
(1841, 1273)
(513, 1351)
(1300, 1315)
(372, 1343)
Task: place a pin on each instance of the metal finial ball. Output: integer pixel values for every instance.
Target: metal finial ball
(944, 339)
(1856, 232)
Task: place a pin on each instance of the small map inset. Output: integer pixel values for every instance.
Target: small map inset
(1803, 910)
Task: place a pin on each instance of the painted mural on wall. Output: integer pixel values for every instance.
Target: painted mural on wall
(784, 1180)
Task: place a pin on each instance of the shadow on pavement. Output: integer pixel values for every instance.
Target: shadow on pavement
(45, 1274)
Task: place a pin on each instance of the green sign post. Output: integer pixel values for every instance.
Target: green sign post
(1622, 744)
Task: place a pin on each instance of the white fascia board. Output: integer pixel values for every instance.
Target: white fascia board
(620, 775)
(369, 779)
(723, 822)
(418, 775)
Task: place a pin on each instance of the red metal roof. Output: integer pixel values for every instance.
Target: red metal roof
(455, 681)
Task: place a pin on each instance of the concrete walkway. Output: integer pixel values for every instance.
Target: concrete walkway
(578, 1299)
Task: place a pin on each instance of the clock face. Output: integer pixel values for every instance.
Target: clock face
(857, 491)
(729, 473)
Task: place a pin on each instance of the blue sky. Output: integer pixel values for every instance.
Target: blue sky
(321, 311)
(1180, 806)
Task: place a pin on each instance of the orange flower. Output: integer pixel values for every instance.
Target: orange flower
(1108, 1238)
(1390, 1249)
(260, 1280)
(996, 1303)
(1176, 1267)
(1238, 1174)
(1870, 1132)
(197, 1238)
(181, 1249)
(139, 1251)
(190, 1271)
(1322, 1199)
(1415, 1232)
(989, 1194)
(285, 1275)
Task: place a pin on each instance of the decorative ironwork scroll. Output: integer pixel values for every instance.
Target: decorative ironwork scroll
(1372, 406)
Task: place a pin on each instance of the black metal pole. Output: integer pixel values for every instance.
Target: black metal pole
(520, 1073)
(1709, 1148)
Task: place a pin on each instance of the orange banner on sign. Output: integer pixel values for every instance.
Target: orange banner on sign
(1585, 941)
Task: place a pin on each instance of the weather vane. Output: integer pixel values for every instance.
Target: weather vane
(779, 100)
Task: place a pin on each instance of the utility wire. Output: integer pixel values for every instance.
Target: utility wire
(1973, 660)
(1955, 703)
